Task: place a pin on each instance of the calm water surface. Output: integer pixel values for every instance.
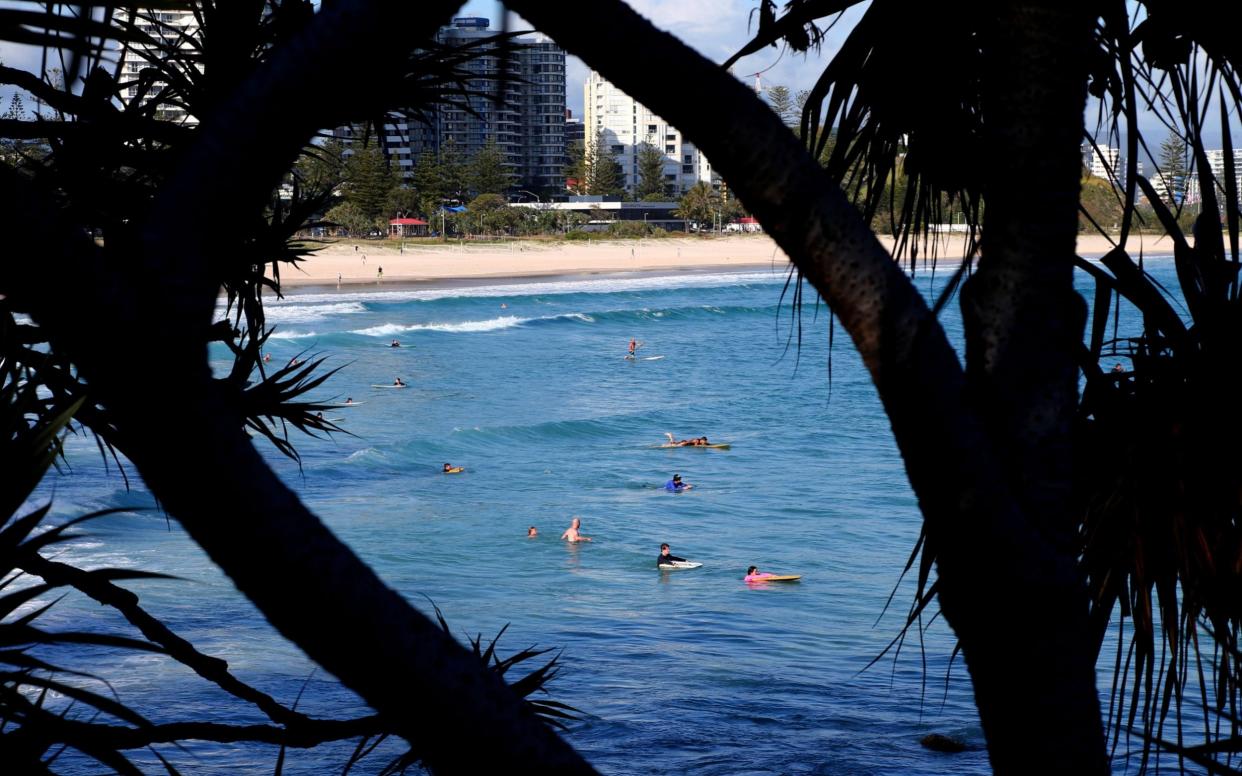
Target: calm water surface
(674, 671)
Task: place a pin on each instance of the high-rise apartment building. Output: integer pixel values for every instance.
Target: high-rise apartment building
(1105, 161)
(167, 28)
(528, 124)
(625, 126)
(1216, 162)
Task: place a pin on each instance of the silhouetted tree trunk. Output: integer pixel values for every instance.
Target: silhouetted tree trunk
(122, 310)
(988, 474)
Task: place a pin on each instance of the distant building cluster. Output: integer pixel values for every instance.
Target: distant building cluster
(1180, 186)
(625, 125)
(527, 125)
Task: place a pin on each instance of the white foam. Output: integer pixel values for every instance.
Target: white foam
(552, 287)
(466, 327)
(286, 312)
(279, 335)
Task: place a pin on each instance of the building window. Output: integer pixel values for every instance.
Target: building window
(687, 159)
(618, 149)
(668, 149)
(670, 137)
(687, 168)
(651, 129)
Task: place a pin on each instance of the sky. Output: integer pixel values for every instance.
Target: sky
(715, 28)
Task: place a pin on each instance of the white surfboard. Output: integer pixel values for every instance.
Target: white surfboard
(679, 565)
(373, 385)
(652, 358)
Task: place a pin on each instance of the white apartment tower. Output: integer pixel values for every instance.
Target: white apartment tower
(1105, 161)
(625, 125)
(169, 28)
(1216, 161)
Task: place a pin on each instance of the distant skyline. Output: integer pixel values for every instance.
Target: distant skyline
(716, 29)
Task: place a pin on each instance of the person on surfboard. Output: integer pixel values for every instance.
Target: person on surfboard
(634, 346)
(665, 559)
(399, 383)
(676, 485)
(753, 574)
(572, 535)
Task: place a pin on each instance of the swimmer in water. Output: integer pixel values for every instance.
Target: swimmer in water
(399, 383)
(572, 534)
(532, 532)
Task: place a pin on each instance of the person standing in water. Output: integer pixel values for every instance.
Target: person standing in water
(572, 534)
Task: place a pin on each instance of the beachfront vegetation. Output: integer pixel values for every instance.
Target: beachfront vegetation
(1049, 515)
(700, 206)
(604, 176)
(651, 184)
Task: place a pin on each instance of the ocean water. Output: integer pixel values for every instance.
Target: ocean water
(525, 385)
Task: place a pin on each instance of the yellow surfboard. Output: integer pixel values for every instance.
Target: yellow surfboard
(779, 578)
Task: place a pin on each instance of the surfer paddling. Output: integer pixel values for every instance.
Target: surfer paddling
(753, 574)
(572, 534)
(665, 559)
(634, 346)
(675, 485)
(692, 442)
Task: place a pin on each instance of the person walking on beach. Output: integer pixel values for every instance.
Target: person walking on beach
(572, 534)
(665, 559)
(675, 485)
(380, 274)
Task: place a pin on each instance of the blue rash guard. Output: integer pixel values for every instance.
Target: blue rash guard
(675, 486)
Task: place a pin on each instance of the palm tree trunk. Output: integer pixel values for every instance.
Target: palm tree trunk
(1024, 323)
(120, 314)
(987, 542)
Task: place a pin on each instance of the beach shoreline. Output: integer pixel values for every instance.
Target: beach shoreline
(356, 265)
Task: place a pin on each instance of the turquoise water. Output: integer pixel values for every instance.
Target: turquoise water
(690, 670)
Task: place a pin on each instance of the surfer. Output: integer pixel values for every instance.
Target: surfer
(349, 400)
(395, 344)
(399, 383)
(532, 532)
(572, 534)
(680, 443)
(676, 485)
(634, 346)
(267, 358)
(753, 574)
(665, 559)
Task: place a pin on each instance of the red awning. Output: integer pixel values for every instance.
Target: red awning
(407, 222)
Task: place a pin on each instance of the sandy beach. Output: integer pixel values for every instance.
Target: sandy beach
(359, 262)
